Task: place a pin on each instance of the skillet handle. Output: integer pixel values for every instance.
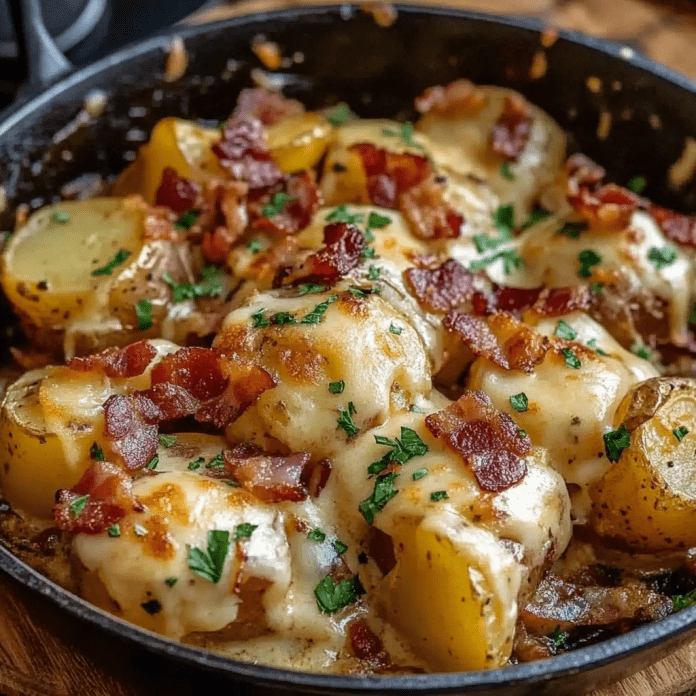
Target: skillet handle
(43, 60)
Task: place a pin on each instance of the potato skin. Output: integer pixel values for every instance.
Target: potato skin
(647, 500)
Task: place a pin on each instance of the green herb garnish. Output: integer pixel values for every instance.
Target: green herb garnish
(615, 442)
(244, 531)
(418, 475)
(254, 246)
(338, 115)
(571, 360)
(337, 387)
(506, 172)
(60, 217)
(167, 440)
(373, 273)
(96, 452)
(680, 433)
(519, 402)
(588, 258)
(114, 531)
(196, 464)
(277, 204)
(438, 495)
(258, 320)
(572, 229)
(78, 505)
(152, 464)
(383, 493)
(396, 330)
(684, 601)
(143, 312)
(310, 288)
(345, 420)
(339, 547)
(341, 214)
(332, 596)
(317, 314)
(119, 257)
(661, 258)
(170, 582)
(377, 221)
(209, 564)
(210, 285)
(566, 331)
(637, 184)
(317, 535)
(510, 258)
(186, 221)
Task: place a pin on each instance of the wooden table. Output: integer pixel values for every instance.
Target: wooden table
(43, 652)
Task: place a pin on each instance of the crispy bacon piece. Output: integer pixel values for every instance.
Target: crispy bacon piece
(546, 302)
(511, 131)
(176, 192)
(389, 174)
(130, 425)
(609, 206)
(243, 151)
(477, 336)
(272, 479)
(458, 97)
(111, 498)
(427, 213)
(487, 440)
(316, 476)
(297, 212)
(158, 225)
(341, 253)
(268, 107)
(366, 645)
(130, 361)
(440, 289)
(583, 172)
(678, 228)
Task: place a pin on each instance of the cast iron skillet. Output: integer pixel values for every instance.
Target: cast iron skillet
(378, 71)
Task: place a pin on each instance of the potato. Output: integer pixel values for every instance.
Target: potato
(182, 145)
(188, 448)
(299, 142)
(647, 500)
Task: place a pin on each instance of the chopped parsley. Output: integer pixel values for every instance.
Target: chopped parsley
(661, 258)
(337, 387)
(641, 351)
(637, 184)
(438, 495)
(96, 452)
(152, 464)
(254, 246)
(311, 288)
(170, 582)
(196, 464)
(506, 172)
(418, 475)
(119, 258)
(282, 318)
(373, 273)
(277, 204)
(209, 285)
(596, 289)
(566, 331)
(383, 493)
(519, 402)
(588, 258)
(341, 214)
(317, 314)
(217, 462)
(332, 596)
(345, 420)
(377, 221)
(339, 547)
(258, 320)
(558, 638)
(358, 292)
(244, 531)
(368, 253)
(317, 535)
(571, 360)
(140, 530)
(209, 564)
(167, 440)
(572, 229)
(405, 132)
(536, 216)
(114, 531)
(143, 312)
(78, 505)
(680, 433)
(593, 344)
(402, 450)
(338, 115)
(510, 258)
(504, 221)
(521, 432)
(60, 217)
(684, 601)
(615, 442)
(396, 330)
(186, 221)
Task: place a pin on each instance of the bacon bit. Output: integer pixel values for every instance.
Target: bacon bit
(297, 213)
(316, 476)
(343, 246)
(111, 498)
(157, 225)
(268, 107)
(678, 228)
(384, 13)
(511, 131)
(582, 172)
(487, 440)
(130, 425)
(177, 193)
(477, 336)
(268, 52)
(610, 206)
(390, 174)
(272, 479)
(223, 218)
(380, 548)
(548, 37)
(440, 289)
(556, 302)
(427, 213)
(545, 302)
(366, 644)
(130, 361)
(243, 151)
(453, 99)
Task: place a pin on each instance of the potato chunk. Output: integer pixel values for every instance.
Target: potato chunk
(299, 142)
(647, 500)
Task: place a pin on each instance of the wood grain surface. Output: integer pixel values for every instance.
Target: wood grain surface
(44, 652)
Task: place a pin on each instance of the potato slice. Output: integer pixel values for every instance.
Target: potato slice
(189, 451)
(48, 265)
(299, 142)
(647, 500)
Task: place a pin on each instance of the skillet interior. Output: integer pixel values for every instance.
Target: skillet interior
(378, 71)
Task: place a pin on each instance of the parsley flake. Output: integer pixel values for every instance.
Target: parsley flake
(377, 221)
(210, 285)
(60, 217)
(210, 564)
(558, 638)
(615, 442)
(258, 320)
(317, 314)
(383, 493)
(637, 184)
(519, 402)
(275, 207)
(510, 258)
(167, 440)
(418, 475)
(311, 288)
(521, 432)
(438, 495)
(341, 214)
(593, 344)
(339, 547)
(368, 253)
(170, 582)
(244, 531)
(254, 246)
(572, 230)
(96, 452)
(566, 331)
(337, 387)
(684, 601)
(641, 351)
(405, 132)
(338, 115)
(345, 420)
(536, 216)
(186, 221)
(596, 289)
(661, 258)
(571, 360)
(114, 531)
(152, 464)
(196, 464)
(506, 172)
(396, 330)
(680, 433)
(143, 312)
(78, 505)
(282, 318)
(317, 535)
(373, 273)
(332, 596)
(119, 258)
(588, 258)
(217, 462)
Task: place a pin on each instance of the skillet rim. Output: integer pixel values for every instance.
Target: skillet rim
(568, 664)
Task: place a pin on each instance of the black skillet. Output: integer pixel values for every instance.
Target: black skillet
(344, 55)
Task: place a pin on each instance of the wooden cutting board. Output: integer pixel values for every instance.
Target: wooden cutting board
(44, 652)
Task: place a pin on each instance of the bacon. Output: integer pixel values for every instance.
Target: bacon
(341, 253)
(158, 225)
(111, 498)
(609, 206)
(582, 171)
(511, 131)
(678, 228)
(458, 97)
(546, 302)
(427, 213)
(487, 440)
(130, 425)
(316, 476)
(243, 151)
(272, 479)
(366, 645)
(177, 193)
(477, 336)
(130, 361)
(223, 218)
(390, 174)
(297, 212)
(440, 289)
(268, 107)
